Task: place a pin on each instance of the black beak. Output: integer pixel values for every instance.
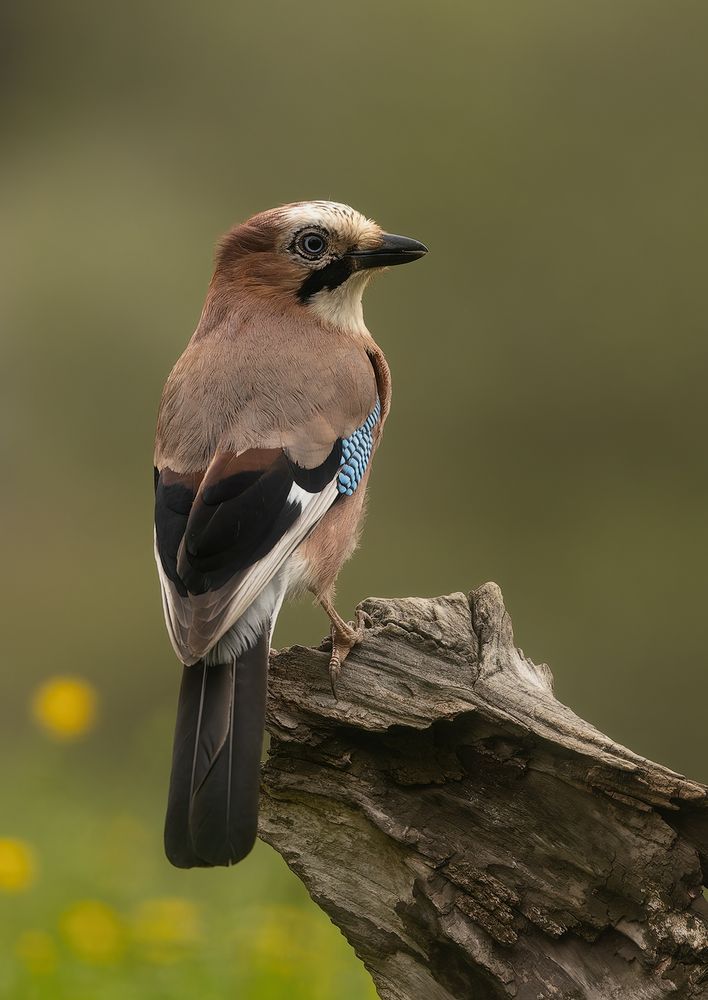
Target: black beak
(392, 250)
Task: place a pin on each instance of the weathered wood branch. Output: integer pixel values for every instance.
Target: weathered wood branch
(469, 834)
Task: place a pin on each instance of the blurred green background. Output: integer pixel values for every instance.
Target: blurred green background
(549, 361)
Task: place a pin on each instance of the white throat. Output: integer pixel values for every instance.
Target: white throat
(342, 307)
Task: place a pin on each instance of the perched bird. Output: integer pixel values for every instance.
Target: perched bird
(265, 434)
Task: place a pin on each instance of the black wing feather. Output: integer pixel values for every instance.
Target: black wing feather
(204, 538)
(173, 504)
(234, 523)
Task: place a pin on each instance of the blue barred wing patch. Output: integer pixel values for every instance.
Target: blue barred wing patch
(356, 452)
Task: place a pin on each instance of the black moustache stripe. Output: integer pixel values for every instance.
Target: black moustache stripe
(331, 276)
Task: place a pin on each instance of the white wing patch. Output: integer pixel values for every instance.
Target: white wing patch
(197, 622)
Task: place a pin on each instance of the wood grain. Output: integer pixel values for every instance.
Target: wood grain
(468, 833)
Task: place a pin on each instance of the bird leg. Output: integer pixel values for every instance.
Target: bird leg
(345, 636)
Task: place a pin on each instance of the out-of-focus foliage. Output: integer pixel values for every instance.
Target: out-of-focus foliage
(549, 359)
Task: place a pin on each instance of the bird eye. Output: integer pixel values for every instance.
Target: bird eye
(311, 245)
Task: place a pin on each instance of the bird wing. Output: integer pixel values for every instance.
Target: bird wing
(221, 538)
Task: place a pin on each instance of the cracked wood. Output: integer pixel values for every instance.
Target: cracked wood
(468, 833)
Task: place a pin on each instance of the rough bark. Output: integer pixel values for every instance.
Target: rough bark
(469, 834)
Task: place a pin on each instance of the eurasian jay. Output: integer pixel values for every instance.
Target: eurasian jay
(266, 430)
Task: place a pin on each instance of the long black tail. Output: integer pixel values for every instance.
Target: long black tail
(212, 807)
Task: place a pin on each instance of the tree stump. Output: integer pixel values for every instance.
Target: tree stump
(468, 833)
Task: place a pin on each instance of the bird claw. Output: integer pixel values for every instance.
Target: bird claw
(363, 621)
(335, 669)
(342, 644)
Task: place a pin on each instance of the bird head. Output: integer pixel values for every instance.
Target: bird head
(316, 256)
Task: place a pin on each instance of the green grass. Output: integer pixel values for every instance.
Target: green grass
(104, 916)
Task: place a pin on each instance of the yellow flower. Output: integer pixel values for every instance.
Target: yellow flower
(65, 707)
(36, 949)
(17, 865)
(165, 928)
(94, 931)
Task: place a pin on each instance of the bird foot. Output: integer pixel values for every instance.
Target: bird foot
(344, 638)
